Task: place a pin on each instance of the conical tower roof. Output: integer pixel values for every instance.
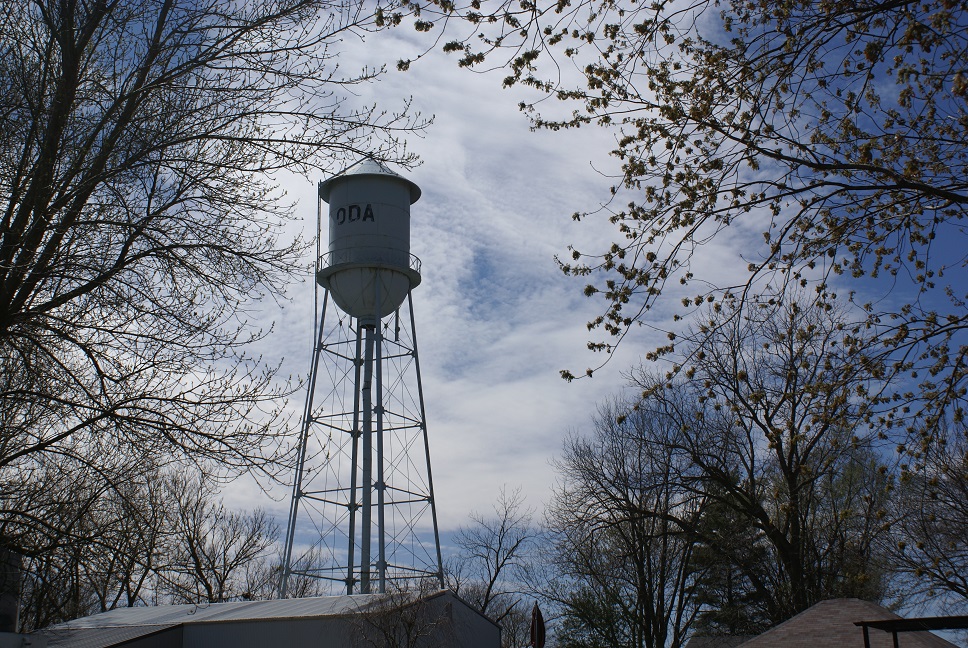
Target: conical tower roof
(368, 167)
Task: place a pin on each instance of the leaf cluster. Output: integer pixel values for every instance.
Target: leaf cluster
(828, 136)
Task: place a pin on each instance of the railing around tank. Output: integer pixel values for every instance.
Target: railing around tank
(376, 256)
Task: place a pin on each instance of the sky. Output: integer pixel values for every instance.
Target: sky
(496, 319)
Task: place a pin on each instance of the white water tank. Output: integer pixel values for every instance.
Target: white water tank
(368, 269)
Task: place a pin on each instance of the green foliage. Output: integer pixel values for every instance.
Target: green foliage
(592, 620)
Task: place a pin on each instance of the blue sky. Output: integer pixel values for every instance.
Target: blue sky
(496, 320)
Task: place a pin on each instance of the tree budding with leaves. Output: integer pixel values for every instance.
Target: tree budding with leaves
(826, 140)
(829, 136)
(732, 496)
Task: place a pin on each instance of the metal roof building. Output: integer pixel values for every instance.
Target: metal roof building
(440, 619)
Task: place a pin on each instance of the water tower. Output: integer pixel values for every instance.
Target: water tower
(362, 512)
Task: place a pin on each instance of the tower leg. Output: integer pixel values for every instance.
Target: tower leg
(301, 457)
(363, 496)
(355, 461)
(426, 444)
(380, 485)
(367, 477)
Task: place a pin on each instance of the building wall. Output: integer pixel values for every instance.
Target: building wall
(318, 633)
(440, 622)
(170, 638)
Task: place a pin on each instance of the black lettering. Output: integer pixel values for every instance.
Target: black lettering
(353, 213)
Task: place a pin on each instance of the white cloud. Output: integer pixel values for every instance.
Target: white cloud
(496, 320)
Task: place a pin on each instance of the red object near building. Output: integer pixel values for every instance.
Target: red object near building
(537, 628)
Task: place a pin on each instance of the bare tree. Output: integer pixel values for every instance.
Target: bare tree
(93, 549)
(623, 534)
(215, 555)
(131, 549)
(931, 536)
(140, 221)
(726, 495)
(771, 416)
(408, 616)
(157, 538)
(302, 583)
(493, 569)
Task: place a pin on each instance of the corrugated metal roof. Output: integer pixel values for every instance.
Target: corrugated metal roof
(235, 611)
(97, 637)
(167, 623)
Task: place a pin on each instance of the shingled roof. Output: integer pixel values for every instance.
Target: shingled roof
(830, 624)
